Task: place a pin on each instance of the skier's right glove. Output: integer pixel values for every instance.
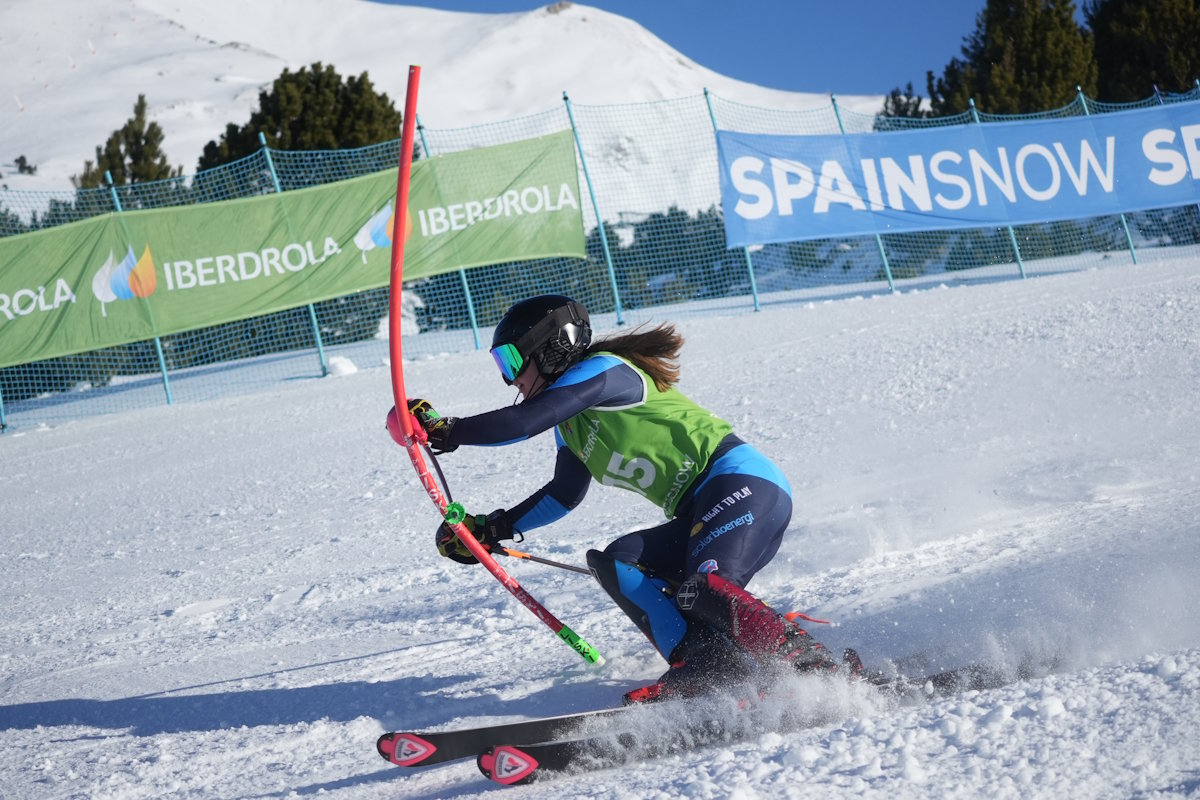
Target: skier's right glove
(488, 529)
(436, 427)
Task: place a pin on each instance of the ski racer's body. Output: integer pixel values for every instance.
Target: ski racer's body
(619, 420)
(726, 504)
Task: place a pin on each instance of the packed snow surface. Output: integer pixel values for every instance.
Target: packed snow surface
(235, 598)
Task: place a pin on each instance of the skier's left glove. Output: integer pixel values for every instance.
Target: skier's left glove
(488, 529)
(437, 428)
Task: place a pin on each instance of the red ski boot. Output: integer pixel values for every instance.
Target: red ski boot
(756, 628)
(702, 663)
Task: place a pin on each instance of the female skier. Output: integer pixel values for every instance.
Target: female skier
(619, 419)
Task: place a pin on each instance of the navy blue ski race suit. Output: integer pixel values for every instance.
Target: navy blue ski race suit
(730, 520)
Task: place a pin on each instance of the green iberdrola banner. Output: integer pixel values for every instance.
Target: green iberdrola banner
(131, 276)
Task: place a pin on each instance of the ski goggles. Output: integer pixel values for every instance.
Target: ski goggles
(508, 359)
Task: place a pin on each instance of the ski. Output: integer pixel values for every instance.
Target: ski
(971, 678)
(425, 748)
(511, 763)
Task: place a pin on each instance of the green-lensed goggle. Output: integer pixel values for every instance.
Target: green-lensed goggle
(508, 359)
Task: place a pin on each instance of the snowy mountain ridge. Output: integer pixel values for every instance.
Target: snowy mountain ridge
(75, 68)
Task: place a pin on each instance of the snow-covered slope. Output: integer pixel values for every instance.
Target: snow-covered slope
(234, 598)
(73, 70)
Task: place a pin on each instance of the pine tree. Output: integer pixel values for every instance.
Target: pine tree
(1024, 56)
(1143, 44)
(10, 223)
(904, 105)
(132, 154)
(312, 109)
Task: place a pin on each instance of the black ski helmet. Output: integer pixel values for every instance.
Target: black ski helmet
(550, 330)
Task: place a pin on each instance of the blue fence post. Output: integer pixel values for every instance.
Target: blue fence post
(887, 269)
(162, 362)
(462, 273)
(312, 312)
(1124, 223)
(3, 421)
(745, 250)
(612, 274)
(1012, 236)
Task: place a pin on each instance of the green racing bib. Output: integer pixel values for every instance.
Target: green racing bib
(656, 447)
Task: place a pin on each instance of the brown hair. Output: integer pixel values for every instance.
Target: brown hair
(654, 351)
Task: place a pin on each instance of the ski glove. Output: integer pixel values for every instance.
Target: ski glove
(488, 529)
(436, 427)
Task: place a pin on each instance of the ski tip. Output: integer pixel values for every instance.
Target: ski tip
(507, 765)
(385, 745)
(404, 749)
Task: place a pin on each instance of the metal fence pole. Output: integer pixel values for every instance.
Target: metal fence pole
(612, 274)
(745, 250)
(462, 273)
(1012, 236)
(1124, 223)
(312, 312)
(887, 269)
(162, 362)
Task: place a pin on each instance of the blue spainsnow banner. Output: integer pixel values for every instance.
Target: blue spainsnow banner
(785, 188)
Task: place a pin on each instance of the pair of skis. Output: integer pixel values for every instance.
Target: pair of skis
(521, 752)
(424, 749)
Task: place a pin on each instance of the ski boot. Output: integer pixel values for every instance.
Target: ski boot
(758, 630)
(704, 662)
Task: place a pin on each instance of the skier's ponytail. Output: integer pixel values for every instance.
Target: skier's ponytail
(654, 351)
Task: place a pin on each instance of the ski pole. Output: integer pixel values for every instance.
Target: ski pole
(508, 551)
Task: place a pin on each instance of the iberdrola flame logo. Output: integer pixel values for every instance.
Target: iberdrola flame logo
(378, 230)
(132, 277)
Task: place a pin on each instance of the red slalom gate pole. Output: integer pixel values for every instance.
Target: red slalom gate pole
(453, 513)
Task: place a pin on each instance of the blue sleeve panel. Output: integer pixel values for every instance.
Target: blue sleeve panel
(544, 511)
(565, 490)
(599, 381)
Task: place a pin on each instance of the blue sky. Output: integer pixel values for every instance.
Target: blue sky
(847, 47)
